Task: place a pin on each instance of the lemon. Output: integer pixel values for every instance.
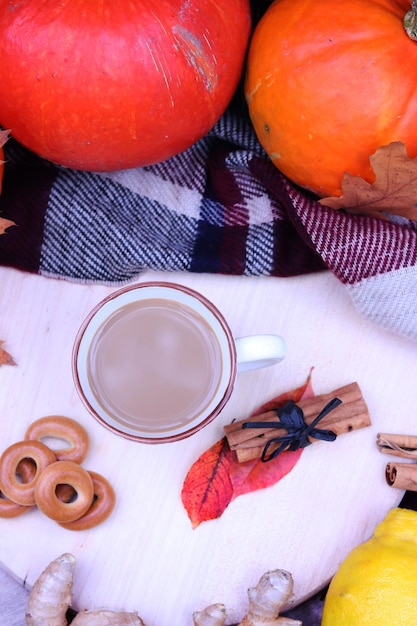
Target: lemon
(376, 584)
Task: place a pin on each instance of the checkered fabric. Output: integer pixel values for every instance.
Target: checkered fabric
(219, 207)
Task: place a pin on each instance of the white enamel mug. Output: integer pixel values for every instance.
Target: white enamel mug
(155, 362)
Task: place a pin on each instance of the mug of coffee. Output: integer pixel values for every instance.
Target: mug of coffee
(155, 362)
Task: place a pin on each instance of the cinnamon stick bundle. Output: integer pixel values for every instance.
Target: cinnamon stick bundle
(351, 414)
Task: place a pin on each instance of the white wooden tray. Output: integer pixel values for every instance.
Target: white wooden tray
(146, 557)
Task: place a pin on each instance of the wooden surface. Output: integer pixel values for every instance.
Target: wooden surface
(146, 557)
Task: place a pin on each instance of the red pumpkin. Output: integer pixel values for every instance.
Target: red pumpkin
(329, 82)
(117, 83)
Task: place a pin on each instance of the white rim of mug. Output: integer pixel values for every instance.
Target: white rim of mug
(97, 316)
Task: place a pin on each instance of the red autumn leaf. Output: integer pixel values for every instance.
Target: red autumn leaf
(217, 478)
(5, 357)
(254, 475)
(207, 489)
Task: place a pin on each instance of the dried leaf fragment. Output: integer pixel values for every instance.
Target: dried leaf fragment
(5, 357)
(4, 224)
(4, 136)
(394, 190)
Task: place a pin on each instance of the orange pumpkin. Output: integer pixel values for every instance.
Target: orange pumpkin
(327, 83)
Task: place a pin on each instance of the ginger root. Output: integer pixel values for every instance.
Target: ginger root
(50, 598)
(106, 618)
(50, 595)
(213, 615)
(267, 598)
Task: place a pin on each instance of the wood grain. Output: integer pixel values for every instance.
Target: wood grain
(146, 557)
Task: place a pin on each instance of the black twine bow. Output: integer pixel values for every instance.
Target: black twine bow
(291, 418)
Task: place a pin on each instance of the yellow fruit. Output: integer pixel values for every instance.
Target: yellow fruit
(376, 585)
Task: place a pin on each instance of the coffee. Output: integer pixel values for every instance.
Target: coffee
(154, 364)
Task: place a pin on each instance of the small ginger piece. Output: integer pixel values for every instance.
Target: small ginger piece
(50, 595)
(213, 615)
(267, 598)
(50, 598)
(105, 617)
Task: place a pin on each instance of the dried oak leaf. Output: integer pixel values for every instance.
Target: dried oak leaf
(217, 477)
(5, 357)
(394, 190)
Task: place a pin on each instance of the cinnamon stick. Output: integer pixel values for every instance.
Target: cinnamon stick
(351, 414)
(398, 445)
(402, 476)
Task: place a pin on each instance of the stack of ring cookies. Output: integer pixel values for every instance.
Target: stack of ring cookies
(33, 474)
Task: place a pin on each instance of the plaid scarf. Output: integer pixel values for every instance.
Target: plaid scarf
(219, 207)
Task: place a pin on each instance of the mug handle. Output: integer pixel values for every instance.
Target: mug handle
(258, 351)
